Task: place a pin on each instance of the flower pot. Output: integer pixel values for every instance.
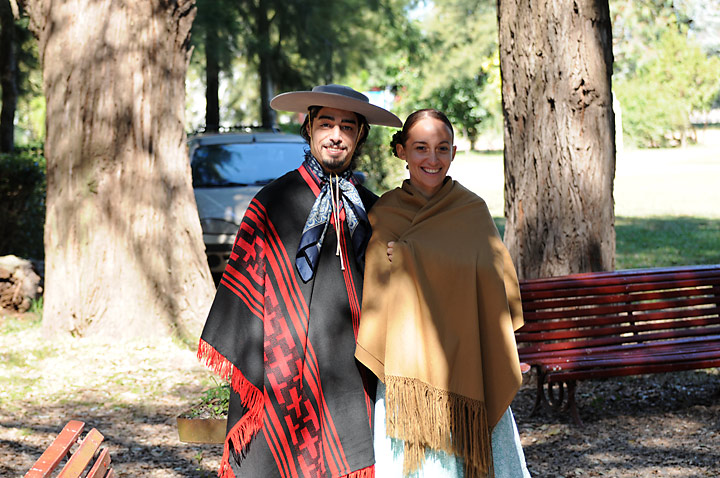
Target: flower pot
(201, 430)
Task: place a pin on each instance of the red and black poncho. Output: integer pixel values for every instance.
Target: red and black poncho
(300, 403)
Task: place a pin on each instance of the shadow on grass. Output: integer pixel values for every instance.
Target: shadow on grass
(667, 241)
(667, 423)
(142, 440)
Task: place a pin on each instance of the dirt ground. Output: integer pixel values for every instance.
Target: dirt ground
(665, 425)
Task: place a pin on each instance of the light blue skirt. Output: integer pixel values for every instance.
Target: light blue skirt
(508, 457)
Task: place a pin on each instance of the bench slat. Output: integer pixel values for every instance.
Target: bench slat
(700, 343)
(576, 289)
(533, 307)
(630, 276)
(638, 329)
(59, 448)
(630, 306)
(599, 342)
(591, 362)
(101, 465)
(82, 456)
(574, 320)
(634, 370)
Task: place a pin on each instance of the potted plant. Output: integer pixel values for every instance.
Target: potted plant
(206, 422)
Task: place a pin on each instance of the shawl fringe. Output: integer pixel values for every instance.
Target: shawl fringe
(250, 396)
(450, 422)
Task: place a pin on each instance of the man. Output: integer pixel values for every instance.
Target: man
(285, 318)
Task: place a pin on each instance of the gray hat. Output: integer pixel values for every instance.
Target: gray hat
(335, 96)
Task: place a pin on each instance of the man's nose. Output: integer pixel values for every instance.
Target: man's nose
(335, 133)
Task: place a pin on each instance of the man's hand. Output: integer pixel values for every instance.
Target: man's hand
(391, 244)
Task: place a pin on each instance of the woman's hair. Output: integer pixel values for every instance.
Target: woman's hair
(362, 124)
(400, 137)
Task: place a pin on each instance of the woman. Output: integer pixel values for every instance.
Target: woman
(440, 306)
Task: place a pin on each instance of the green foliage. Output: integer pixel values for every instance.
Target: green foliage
(458, 70)
(22, 202)
(213, 402)
(383, 170)
(661, 75)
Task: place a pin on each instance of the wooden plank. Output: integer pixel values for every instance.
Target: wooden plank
(622, 276)
(699, 343)
(575, 322)
(599, 342)
(602, 362)
(677, 305)
(531, 306)
(59, 448)
(635, 370)
(82, 456)
(577, 289)
(631, 273)
(680, 327)
(101, 465)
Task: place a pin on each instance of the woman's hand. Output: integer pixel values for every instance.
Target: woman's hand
(391, 244)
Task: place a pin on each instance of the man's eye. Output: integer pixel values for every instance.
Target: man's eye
(348, 128)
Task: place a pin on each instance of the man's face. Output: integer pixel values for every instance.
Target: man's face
(333, 137)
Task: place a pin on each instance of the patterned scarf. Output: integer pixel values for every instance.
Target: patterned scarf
(337, 192)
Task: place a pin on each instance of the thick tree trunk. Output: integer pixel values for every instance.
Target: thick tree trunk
(8, 78)
(123, 245)
(212, 83)
(556, 66)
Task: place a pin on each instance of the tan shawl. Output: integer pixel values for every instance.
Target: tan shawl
(438, 322)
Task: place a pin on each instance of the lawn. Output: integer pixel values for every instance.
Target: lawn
(667, 202)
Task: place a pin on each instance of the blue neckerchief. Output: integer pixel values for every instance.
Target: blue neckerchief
(317, 222)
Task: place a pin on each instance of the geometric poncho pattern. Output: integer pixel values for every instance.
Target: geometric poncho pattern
(300, 404)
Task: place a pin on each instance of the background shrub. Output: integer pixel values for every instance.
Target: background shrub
(22, 202)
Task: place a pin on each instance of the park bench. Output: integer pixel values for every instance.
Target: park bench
(87, 454)
(612, 324)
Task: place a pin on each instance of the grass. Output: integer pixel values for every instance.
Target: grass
(666, 241)
(667, 202)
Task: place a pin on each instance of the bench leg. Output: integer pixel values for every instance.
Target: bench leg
(572, 404)
(539, 392)
(556, 400)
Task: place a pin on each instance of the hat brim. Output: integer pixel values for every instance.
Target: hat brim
(299, 101)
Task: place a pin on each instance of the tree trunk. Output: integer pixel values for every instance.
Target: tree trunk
(212, 83)
(556, 66)
(8, 78)
(267, 114)
(123, 245)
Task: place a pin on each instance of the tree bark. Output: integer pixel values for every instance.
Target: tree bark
(262, 25)
(556, 65)
(123, 245)
(8, 78)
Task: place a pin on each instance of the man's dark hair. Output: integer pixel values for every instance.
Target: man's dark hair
(362, 124)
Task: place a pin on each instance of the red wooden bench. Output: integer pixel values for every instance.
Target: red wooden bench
(611, 324)
(87, 454)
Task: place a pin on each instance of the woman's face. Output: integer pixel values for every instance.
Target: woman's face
(428, 151)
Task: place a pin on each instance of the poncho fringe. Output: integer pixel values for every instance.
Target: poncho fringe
(450, 423)
(251, 397)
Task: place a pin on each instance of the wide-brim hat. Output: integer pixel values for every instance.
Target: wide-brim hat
(335, 96)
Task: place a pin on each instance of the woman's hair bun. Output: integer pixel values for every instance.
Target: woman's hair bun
(397, 138)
